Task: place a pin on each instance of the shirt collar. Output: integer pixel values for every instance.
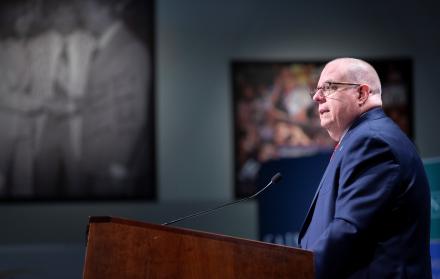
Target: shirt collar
(343, 134)
(108, 34)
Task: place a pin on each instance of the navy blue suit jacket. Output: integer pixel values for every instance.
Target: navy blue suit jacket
(370, 216)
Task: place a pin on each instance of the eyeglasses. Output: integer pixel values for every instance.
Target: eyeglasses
(329, 87)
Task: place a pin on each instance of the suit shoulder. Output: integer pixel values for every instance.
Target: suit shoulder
(381, 129)
(383, 132)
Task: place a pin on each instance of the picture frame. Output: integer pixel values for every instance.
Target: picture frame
(275, 117)
(77, 100)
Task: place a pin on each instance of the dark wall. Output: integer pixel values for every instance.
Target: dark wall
(195, 42)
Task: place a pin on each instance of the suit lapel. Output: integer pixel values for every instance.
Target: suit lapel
(312, 205)
(371, 114)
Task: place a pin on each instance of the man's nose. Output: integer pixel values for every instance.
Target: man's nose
(318, 97)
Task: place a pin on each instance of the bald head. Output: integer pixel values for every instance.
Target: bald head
(359, 71)
(345, 103)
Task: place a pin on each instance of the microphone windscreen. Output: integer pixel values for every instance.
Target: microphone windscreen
(276, 178)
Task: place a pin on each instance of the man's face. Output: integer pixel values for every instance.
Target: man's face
(96, 17)
(25, 19)
(64, 19)
(339, 108)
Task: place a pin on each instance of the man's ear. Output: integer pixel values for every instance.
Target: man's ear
(363, 93)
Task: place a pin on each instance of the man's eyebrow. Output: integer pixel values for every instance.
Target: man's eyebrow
(324, 82)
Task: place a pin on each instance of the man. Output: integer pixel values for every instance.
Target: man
(64, 52)
(17, 105)
(370, 216)
(115, 108)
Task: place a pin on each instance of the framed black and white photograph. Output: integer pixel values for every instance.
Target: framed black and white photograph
(77, 100)
(275, 117)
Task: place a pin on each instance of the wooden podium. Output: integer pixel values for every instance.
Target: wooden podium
(124, 249)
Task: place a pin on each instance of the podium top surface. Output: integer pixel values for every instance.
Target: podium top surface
(195, 233)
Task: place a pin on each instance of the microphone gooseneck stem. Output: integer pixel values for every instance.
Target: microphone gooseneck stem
(274, 179)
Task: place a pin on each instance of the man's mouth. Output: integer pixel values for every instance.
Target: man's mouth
(322, 111)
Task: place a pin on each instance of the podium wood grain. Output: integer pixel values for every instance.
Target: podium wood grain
(119, 248)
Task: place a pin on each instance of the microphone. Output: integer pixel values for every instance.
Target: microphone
(275, 179)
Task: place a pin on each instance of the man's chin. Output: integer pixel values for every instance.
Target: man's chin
(325, 124)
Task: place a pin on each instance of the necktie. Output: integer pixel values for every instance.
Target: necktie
(61, 82)
(334, 150)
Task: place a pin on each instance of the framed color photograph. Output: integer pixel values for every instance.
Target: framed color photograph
(275, 117)
(76, 100)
